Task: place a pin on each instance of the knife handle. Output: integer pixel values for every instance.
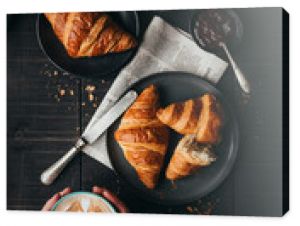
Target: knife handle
(50, 174)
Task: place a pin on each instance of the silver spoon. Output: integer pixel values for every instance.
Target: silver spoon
(236, 26)
(244, 84)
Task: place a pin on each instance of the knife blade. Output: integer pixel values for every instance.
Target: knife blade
(89, 136)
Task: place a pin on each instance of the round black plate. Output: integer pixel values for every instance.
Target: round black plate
(173, 87)
(233, 42)
(91, 67)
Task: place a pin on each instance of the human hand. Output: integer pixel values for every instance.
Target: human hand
(111, 197)
(51, 202)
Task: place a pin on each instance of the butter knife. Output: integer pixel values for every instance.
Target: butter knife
(89, 136)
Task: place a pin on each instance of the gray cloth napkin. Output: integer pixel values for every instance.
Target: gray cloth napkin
(164, 48)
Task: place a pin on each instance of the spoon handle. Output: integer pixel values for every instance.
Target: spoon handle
(244, 84)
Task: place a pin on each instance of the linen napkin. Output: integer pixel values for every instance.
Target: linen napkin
(164, 48)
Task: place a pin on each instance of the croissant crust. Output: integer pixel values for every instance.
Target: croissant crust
(201, 116)
(143, 138)
(89, 34)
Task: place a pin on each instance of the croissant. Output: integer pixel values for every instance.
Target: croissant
(143, 138)
(201, 116)
(188, 157)
(89, 34)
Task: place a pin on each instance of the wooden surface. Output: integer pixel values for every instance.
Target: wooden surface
(47, 109)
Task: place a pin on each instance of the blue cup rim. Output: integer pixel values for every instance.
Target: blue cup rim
(83, 193)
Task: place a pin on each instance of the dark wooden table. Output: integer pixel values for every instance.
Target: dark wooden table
(47, 109)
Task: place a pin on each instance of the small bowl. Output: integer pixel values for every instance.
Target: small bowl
(93, 199)
(232, 42)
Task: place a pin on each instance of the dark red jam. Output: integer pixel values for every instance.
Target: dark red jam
(213, 26)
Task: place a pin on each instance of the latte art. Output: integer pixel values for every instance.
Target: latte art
(83, 202)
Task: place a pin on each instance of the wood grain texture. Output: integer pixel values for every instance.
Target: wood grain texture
(39, 128)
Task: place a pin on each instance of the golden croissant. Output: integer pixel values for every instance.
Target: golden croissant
(188, 157)
(201, 116)
(143, 138)
(89, 33)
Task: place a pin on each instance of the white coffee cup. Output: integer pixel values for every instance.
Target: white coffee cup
(83, 202)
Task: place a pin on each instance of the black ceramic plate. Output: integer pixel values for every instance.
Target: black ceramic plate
(173, 87)
(91, 67)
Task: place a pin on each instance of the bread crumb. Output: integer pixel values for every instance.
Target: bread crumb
(90, 88)
(189, 209)
(91, 97)
(62, 92)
